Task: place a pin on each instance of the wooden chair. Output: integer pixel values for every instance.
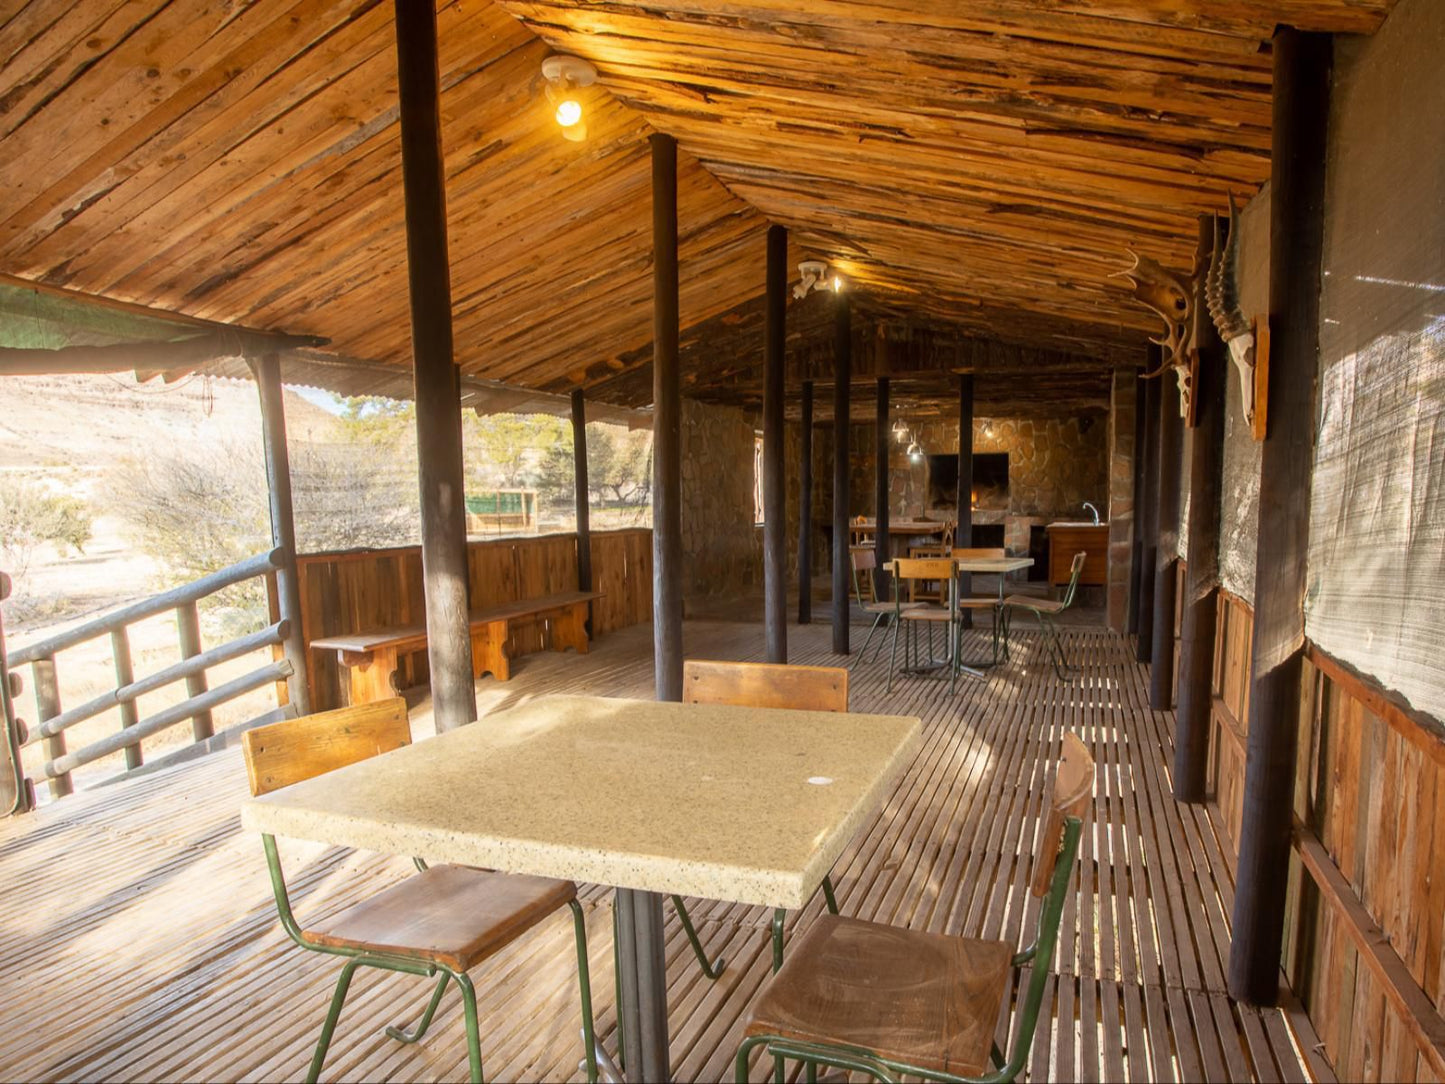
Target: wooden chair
(865, 564)
(892, 1002)
(443, 919)
(910, 570)
(1044, 611)
(934, 591)
(761, 685)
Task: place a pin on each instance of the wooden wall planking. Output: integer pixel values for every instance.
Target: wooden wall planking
(369, 589)
(1365, 942)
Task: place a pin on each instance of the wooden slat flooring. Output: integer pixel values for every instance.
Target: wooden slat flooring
(138, 939)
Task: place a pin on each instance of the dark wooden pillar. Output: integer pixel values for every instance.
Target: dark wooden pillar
(775, 480)
(1201, 577)
(1148, 558)
(1166, 512)
(842, 376)
(667, 426)
(580, 492)
(1141, 499)
(438, 390)
(267, 370)
(882, 547)
(963, 536)
(1297, 191)
(805, 512)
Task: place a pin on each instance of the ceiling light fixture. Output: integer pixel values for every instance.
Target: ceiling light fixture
(814, 275)
(900, 431)
(566, 76)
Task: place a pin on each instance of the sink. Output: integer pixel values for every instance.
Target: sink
(1076, 523)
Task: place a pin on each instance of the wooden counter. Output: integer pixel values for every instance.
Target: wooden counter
(1067, 539)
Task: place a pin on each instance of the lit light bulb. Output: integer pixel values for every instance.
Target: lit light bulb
(569, 112)
(837, 284)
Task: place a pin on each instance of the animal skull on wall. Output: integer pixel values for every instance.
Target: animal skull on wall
(1172, 297)
(1221, 291)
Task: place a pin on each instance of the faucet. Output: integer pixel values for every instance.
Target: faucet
(1091, 508)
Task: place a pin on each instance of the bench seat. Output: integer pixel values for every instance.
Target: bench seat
(371, 657)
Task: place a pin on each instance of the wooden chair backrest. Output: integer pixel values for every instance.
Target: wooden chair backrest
(923, 568)
(765, 685)
(863, 558)
(297, 749)
(1073, 792)
(980, 551)
(1076, 569)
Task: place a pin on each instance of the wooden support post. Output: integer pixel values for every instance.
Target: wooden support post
(188, 630)
(47, 706)
(125, 675)
(1166, 512)
(438, 381)
(775, 480)
(1144, 645)
(805, 513)
(580, 490)
(1297, 191)
(842, 376)
(1201, 578)
(1141, 501)
(666, 426)
(882, 540)
(963, 535)
(267, 371)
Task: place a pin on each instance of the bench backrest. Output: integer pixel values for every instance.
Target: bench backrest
(288, 752)
(765, 685)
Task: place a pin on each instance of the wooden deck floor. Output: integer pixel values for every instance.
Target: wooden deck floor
(138, 939)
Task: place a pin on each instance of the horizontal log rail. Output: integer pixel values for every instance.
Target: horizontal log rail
(192, 668)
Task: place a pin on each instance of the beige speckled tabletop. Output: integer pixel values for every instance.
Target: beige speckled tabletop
(742, 804)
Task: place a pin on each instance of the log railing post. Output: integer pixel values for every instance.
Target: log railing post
(188, 630)
(47, 706)
(125, 675)
(775, 479)
(1302, 63)
(842, 377)
(1201, 577)
(805, 512)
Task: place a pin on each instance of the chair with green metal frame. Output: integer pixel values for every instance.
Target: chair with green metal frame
(866, 561)
(441, 920)
(760, 685)
(1044, 611)
(889, 1002)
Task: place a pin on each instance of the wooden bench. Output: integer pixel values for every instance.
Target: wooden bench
(371, 657)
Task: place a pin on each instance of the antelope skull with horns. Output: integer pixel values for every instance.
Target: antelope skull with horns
(1172, 297)
(1221, 291)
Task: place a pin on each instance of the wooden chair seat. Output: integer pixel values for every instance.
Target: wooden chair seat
(926, 999)
(887, 607)
(977, 602)
(450, 915)
(927, 613)
(1033, 602)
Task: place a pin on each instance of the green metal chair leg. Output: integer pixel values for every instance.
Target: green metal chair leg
(584, 990)
(711, 970)
(779, 916)
(859, 657)
(474, 1038)
(829, 897)
(343, 983)
(893, 658)
(401, 1035)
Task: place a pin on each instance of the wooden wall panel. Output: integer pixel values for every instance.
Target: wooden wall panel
(372, 589)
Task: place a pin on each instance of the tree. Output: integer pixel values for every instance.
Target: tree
(31, 516)
(619, 464)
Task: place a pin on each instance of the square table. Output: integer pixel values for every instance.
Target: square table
(748, 805)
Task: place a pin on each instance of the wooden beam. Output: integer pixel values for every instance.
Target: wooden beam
(775, 479)
(1302, 65)
(805, 512)
(163, 357)
(267, 369)
(1149, 555)
(842, 364)
(1166, 580)
(880, 513)
(580, 494)
(438, 387)
(1201, 576)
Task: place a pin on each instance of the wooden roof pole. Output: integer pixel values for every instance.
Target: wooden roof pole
(580, 491)
(881, 536)
(438, 381)
(775, 476)
(1166, 533)
(146, 356)
(1302, 65)
(842, 379)
(805, 512)
(963, 534)
(1149, 515)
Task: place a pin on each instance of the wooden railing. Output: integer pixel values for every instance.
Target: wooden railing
(54, 720)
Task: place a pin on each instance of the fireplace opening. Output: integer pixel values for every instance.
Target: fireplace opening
(990, 481)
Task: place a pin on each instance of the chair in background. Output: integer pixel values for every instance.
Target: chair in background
(865, 566)
(761, 685)
(443, 919)
(839, 999)
(910, 570)
(1044, 611)
(975, 603)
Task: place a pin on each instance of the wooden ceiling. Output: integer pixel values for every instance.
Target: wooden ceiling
(979, 167)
